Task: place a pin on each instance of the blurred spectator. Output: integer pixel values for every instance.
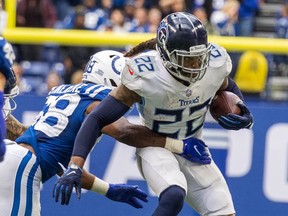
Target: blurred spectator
(129, 9)
(225, 20)
(53, 79)
(117, 4)
(117, 22)
(170, 6)
(77, 20)
(75, 58)
(77, 77)
(94, 17)
(178, 6)
(3, 17)
(38, 14)
(208, 5)
(106, 5)
(63, 8)
(201, 14)
(281, 25)
(22, 82)
(154, 18)
(247, 12)
(281, 31)
(140, 21)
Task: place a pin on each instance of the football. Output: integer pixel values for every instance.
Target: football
(223, 103)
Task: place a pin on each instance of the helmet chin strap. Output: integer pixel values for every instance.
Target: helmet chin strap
(168, 64)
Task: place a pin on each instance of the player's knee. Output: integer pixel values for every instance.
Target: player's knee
(173, 198)
(217, 201)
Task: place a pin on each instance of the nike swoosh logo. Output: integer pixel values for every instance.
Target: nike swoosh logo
(196, 149)
(72, 172)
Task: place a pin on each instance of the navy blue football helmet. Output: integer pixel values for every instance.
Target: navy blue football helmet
(183, 46)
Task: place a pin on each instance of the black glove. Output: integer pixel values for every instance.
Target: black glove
(236, 122)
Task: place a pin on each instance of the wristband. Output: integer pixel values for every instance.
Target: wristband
(173, 145)
(99, 186)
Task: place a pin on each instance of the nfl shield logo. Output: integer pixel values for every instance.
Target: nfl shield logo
(188, 92)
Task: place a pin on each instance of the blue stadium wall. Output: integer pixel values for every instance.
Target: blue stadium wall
(255, 164)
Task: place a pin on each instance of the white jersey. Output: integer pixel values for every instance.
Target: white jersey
(168, 107)
(20, 176)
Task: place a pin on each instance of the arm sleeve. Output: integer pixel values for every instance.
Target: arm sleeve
(108, 111)
(232, 87)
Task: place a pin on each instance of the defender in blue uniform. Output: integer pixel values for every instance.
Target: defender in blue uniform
(7, 83)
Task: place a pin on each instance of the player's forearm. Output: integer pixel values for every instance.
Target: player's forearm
(232, 87)
(14, 128)
(140, 137)
(91, 182)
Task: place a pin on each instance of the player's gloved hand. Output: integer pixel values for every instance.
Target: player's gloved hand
(70, 178)
(127, 194)
(236, 122)
(196, 150)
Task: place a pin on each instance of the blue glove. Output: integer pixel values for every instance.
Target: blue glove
(196, 150)
(70, 178)
(237, 122)
(2, 151)
(127, 194)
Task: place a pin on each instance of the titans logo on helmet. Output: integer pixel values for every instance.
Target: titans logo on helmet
(163, 33)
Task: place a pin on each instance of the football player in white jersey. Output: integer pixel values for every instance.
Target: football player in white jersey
(172, 87)
(49, 141)
(7, 83)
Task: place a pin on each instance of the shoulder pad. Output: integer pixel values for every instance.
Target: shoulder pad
(218, 56)
(142, 64)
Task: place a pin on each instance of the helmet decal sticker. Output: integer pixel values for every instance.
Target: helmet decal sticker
(163, 33)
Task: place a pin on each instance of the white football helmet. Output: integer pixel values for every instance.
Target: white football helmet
(104, 67)
(9, 103)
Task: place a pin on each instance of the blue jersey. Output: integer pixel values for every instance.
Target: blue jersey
(53, 133)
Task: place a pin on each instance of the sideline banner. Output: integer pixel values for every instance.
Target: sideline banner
(254, 162)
